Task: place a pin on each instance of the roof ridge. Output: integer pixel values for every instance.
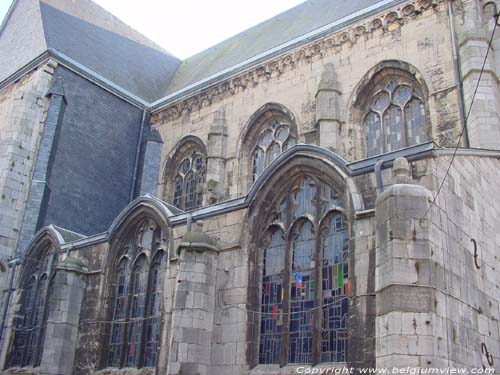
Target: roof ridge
(99, 16)
(276, 31)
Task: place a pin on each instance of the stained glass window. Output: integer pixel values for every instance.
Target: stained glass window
(289, 308)
(335, 290)
(153, 316)
(304, 198)
(138, 305)
(395, 119)
(31, 323)
(275, 138)
(135, 332)
(302, 296)
(272, 294)
(22, 332)
(188, 181)
(119, 314)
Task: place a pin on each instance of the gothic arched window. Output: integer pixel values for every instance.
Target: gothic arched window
(31, 322)
(395, 117)
(119, 313)
(137, 299)
(275, 137)
(153, 312)
(305, 269)
(190, 176)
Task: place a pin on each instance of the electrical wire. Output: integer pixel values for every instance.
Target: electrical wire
(466, 118)
(338, 298)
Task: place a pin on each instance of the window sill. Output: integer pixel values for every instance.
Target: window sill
(22, 370)
(126, 371)
(293, 369)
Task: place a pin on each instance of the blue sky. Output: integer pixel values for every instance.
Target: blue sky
(189, 26)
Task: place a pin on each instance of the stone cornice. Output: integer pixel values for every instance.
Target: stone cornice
(324, 45)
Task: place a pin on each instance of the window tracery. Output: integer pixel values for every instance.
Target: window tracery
(275, 137)
(30, 325)
(395, 118)
(188, 182)
(304, 269)
(137, 300)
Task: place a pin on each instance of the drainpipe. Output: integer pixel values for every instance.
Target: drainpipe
(457, 68)
(137, 155)
(12, 271)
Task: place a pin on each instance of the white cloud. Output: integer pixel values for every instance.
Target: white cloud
(186, 27)
(189, 26)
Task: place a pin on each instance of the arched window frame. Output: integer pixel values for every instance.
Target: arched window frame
(269, 143)
(267, 118)
(36, 284)
(185, 174)
(410, 129)
(154, 308)
(393, 111)
(289, 218)
(134, 349)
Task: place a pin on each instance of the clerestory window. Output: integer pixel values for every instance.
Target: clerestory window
(31, 322)
(305, 278)
(137, 283)
(395, 118)
(275, 138)
(188, 182)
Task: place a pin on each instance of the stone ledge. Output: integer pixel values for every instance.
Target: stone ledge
(292, 369)
(125, 371)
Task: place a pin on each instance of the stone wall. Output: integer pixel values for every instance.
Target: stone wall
(419, 42)
(467, 298)
(475, 24)
(89, 345)
(22, 111)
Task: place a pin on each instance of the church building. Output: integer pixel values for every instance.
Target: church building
(319, 192)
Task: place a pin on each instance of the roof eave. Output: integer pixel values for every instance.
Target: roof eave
(189, 90)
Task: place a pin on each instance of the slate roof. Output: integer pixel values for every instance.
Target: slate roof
(280, 29)
(142, 70)
(68, 235)
(99, 41)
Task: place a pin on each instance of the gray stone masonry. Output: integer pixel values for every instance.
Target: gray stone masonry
(216, 158)
(405, 277)
(193, 310)
(328, 109)
(40, 190)
(63, 318)
(150, 165)
(483, 123)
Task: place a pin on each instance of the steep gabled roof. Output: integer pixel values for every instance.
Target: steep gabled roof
(91, 12)
(106, 45)
(21, 37)
(142, 70)
(276, 31)
(92, 37)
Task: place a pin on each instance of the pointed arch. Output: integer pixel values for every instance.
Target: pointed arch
(298, 161)
(140, 208)
(134, 272)
(38, 266)
(300, 192)
(271, 130)
(188, 158)
(390, 106)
